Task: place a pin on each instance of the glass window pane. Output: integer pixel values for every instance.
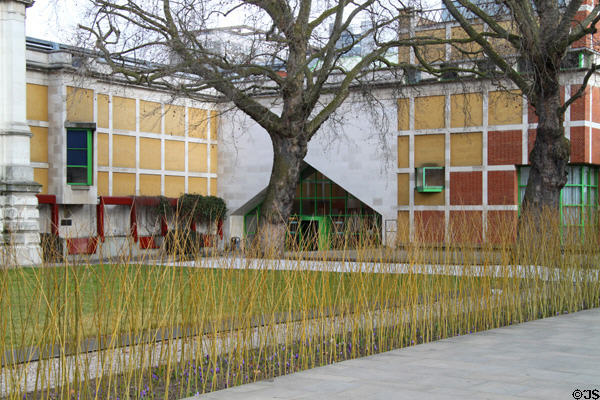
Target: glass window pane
(338, 206)
(571, 195)
(77, 175)
(573, 175)
(571, 215)
(77, 157)
(524, 175)
(308, 207)
(338, 191)
(323, 207)
(308, 189)
(77, 139)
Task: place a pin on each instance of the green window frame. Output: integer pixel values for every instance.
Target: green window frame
(578, 198)
(429, 179)
(79, 156)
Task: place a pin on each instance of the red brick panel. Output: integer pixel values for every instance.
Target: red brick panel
(596, 146)
(502, 188)
(465, 227)
(466, 188)
(580, 109)
(504, 147)
(501, 226)
(531, 135)
(580, 144)
(429, 226)
(596, 104)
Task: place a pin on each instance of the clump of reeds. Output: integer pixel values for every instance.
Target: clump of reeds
(191, 319)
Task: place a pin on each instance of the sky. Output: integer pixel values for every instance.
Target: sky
(56, 20)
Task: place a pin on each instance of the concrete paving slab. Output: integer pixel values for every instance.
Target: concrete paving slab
(543, 359)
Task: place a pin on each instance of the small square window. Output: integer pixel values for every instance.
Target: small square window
(79, 157)
(430, 179)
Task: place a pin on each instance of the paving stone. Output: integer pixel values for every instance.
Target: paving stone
(543, 359)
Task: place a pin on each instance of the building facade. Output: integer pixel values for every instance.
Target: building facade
(438, 159)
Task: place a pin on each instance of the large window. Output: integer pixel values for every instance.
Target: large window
(79, 157)
(578, 199)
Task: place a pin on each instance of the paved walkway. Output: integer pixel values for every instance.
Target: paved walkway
(543, 359)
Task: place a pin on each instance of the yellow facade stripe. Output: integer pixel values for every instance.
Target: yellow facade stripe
(214, 157)
(103, 149)
(150, 153)
(123, 184)
(403, 114)
(197, 185)
(174, 120)
(197, 157)
(174, 155)
(40, 175)
(37, 102)
(430, 112)
(466, 110)
(124, 113)
(39, 144)
(123, 151)
(403, 189)
(198, 123)
(80, 104)
(466, 149)
(150, 116)
(214, 124)
(505, 108)
(213, 187)
(403, 227)
(149, 185)
(103, 111)
(103, 184)
(403, 151)
(174, 186)
(430, 150)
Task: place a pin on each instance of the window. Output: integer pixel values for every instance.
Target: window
(430, 179)
(79, 157)
(578, 199)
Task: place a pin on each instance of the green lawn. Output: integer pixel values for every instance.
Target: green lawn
(63, 304)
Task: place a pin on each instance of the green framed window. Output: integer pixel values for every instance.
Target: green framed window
(429, 179)
(79, 157)
(578, 199)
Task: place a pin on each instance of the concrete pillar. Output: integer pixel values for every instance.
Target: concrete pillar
(19, 217)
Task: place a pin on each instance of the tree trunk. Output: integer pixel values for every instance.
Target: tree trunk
(548, 158)
(288, 153)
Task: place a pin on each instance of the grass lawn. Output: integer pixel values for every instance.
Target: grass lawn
(61, 304)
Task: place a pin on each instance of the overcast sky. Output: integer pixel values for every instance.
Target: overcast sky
(56, 20)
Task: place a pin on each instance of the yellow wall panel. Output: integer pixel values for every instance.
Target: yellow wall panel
(403, 189)
(103, 114)
(213, 187)
(150, 117)
(197, 185)
(466, 149)
(123, 184)
(403, 114)
(149, 185)
(503, 46)
(214, 157)
(103, 184)
(149, 153)
(429, 150)
(429, 199)
(174, 120)
(465, 51)
(403, 151)
(174, 186)
(505, 108)
(433, 52)
(123, 151)
(40, 175)
(466, 110)
(37, 102)
(39, 144)
(102, 149)
(403, 227)
(174, 155)
(80, 104)
(430, 112)
(197, 159)
(403, 51)
(198, 121)
(123, 113)
(214, 125)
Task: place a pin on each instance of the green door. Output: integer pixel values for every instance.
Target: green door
(313, 233)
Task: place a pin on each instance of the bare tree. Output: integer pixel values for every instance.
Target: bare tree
(530, 50)
(296, 51)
